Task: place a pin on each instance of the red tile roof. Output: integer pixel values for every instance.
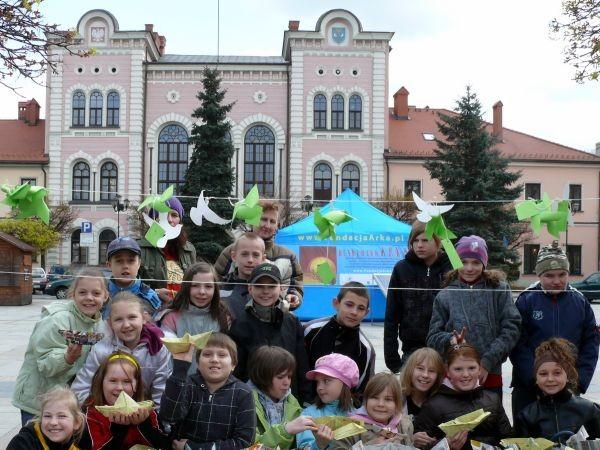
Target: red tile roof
(22, 143)
(406, 140)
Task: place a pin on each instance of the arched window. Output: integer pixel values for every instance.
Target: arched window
(259, 160)
(78, 107)
(320, 112)
(96, 101)
(172, 157)
(322, 182)
(81, 181)
(113, 104)
(105, 238)
(79, 254)
(355, 110)
(108, 181)
(351, 178)
(337, 112)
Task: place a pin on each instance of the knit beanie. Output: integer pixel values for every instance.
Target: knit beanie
(473, 247)
(551, 257)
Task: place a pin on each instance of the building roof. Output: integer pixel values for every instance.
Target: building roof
(16, 242)
(223, 59)
(22, 143)
(407, 141)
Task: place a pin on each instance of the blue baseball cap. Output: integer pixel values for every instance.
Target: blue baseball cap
(123, 243)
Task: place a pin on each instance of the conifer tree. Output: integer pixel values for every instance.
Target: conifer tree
(210, 167)
(469, 168)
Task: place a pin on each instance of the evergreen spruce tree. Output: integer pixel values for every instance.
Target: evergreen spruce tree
(210, 167)
(469, 168)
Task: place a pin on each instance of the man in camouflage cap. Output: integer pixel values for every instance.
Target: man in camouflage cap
(552, 308)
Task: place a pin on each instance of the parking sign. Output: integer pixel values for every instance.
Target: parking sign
(86, 238)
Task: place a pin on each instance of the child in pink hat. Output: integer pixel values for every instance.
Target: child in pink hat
(335, 376)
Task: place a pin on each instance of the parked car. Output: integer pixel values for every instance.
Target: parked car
(55, 272)
(60, 287)
(38, 276)
(590, 287)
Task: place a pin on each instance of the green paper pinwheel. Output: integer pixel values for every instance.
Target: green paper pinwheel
(432, 216)
(158, 202)
(544, 211)
(28, 200)
(248, 209)
(327, 222)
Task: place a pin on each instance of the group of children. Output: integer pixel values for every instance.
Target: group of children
(263, 377)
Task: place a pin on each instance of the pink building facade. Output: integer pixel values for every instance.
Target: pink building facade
(310, 122)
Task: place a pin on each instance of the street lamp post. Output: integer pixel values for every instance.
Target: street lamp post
(118, 207)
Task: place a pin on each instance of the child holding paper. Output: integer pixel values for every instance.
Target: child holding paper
(459, 394)
(557, 409)
(120, 372)
(49, 359)
(335, 375)
(129, 333)
(382, 415)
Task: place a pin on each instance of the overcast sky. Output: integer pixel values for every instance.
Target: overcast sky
(502, 49)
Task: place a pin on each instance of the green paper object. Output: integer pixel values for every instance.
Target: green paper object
(437, 227)
(154, 234)
(452, 254)
(158, 202)
(325, 273)
(28, 200)
(327, 222)
(528, 443)
(541, 212)
(248, 209)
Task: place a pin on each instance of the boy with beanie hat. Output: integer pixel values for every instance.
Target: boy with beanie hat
(552, 308)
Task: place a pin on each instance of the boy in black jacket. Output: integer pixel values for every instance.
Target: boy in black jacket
(264, 322)
(342, 334)
(408, 310)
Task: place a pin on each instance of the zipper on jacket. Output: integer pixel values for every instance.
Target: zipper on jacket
(555, 415)
(428, 270)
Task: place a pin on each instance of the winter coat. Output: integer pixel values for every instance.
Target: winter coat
(306, 439)
(568, 315)
(234, 294)
(102, 434)
(155, 368)
(408, 311)
(285, 331)
(225, 417)
(31, 438)
(327, 335)
(273, 435)
(448, 404)
(45, 366)
(560, 412)
(490, 317)
(154, 263)
(288, 265)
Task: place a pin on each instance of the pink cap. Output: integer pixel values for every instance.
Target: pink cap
(337, 366)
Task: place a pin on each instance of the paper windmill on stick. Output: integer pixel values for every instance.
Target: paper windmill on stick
(248, 209)
(202, 211)
(431, 215)
(28, 200)
(158, 202)
(555, 215)
(161, 231)
(326, 223)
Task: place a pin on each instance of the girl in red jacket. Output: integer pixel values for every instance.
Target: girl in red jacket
(119, 372)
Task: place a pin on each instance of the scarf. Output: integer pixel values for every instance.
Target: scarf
(362, 414)
(150, 336)
(273, 410)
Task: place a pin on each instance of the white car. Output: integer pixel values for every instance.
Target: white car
(39, 279)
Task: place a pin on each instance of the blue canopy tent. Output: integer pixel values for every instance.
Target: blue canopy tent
(365, 250)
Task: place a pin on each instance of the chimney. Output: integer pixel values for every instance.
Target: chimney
(598, 148)
(29, 112)
(293, 25)
(401, 103)
(497, 123)
(150, 27)
(162, 45)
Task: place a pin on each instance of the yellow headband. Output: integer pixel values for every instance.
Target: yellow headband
(129, 358)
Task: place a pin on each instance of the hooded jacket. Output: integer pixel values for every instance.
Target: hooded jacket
(274, 435)
(560, 412)
(567, 315)
(156, 367)
(448, 404)
(489, 315)
(408, 311)
(31, 438)
(154, 263)
(45, 366)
